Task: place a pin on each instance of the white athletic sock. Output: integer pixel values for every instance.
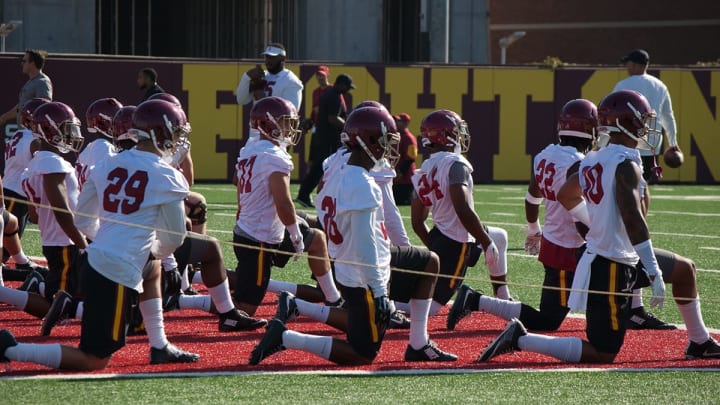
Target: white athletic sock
(197, 278)
(221, 297)
(564, 348)
(327, 285)
(319, 345)
(317, 312)
(151, 311)
(637, 300)
(435, 307)
(419, 310)
(185, 283)
(503, 292)
(2, 282)
(691, 314)
(80, 309)
(46, 354)
(13, 297)
(201, 302)
(20, 257)
(275, 286)
(502, 308)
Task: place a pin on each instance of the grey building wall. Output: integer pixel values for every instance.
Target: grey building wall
(66, 26)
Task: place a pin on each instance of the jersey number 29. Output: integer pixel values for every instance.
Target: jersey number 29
(133, 186)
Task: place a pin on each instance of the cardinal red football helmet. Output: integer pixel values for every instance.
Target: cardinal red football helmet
(121, 124)
(100, 114)
(27, 109)
(57, 124)
(162, 122)
(445, 128)
(627, 112)
(578, 118)
(374, 130)
(167, 97)
(276, 119)
(370, 103)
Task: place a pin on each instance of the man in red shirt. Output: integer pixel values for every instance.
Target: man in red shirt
(402, 186)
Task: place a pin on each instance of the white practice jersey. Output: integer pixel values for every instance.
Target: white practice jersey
(350, 208)
(46, 162)
(131, 191)
(432, 185)
(258, 216)
(95, 152)
(384, 178)
(17, 159)
(550, 167)
(607, 235)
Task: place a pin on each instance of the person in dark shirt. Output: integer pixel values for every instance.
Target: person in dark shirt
(402, 185)
(332, 111)
(147, 80)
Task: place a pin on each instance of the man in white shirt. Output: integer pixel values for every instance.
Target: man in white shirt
(658, 96)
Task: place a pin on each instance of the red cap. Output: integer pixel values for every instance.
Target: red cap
(402, 117)
(323, 70)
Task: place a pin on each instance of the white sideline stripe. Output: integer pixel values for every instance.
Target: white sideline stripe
(689, 235)
(694, 214)
(504, 214)
(686, 197)
(355, 373)
(216, 188)
(709, 248)
(535, 257)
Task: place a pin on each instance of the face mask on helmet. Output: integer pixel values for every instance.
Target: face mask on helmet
(392, 149)
(646, 122)
(66, 135)
(285, 130)
(107, 120)
(386, 148)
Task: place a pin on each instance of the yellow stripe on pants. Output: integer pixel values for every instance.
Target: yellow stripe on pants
(614, 323)
(459, 266)
(119, 308)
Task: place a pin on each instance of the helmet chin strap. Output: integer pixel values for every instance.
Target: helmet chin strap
(378, 163)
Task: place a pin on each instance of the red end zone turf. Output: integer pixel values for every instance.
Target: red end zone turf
(225, 352)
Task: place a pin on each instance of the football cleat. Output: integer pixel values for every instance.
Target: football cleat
(708, 350)
(340, 303)
(506, 342)
(640, 319)
(172, 302)
(6, 340)
(172, 354)
(236, 320)
(461, 307)
(191, 291)
(32, 266)
(287, 308)
(32, 282)
(60, 310)
(270, 344)
(398, 320)
(429, 352)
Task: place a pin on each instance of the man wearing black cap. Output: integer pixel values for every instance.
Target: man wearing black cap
(332, 111)
(274, 80)
(658, 96)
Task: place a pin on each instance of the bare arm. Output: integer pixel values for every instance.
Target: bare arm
(627, 197)
(571, 197)
(280, 191)
(532, 211)
(8, 115)
(56, 192)
(188, 169)
(467, 215)
(419, 213)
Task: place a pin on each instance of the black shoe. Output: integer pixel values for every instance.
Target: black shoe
(646, 320)
(340, 303)
(32, 266)
(172, 302)
(59, 311)
(32, 282)
(429, 352)
(172, 354)
(191, 291)
(461, 307)
(506, 342)
(287, 308)
(6, 340)
(398, 320)
(305, 203)
(271, 342)
(137, 330)
(236, 320)
(708, 350)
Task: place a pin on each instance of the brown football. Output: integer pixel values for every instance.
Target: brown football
(673, 157)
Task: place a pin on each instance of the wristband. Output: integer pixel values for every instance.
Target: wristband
(534, 228)
(647, 257)
(580, 213)
(532, 199)
(294, 231)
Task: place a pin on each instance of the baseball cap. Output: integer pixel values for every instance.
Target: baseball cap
(274, 50)
(638, 56)
(402, 117)
(345, 79)
(323, 70)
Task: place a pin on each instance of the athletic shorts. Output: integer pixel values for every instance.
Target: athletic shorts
(105, 317)
(17, 208)
(403, 284)
(286, 245)
(364, 334)
(63, 270)
(607, 314)
(192, 250)
(455, 257)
